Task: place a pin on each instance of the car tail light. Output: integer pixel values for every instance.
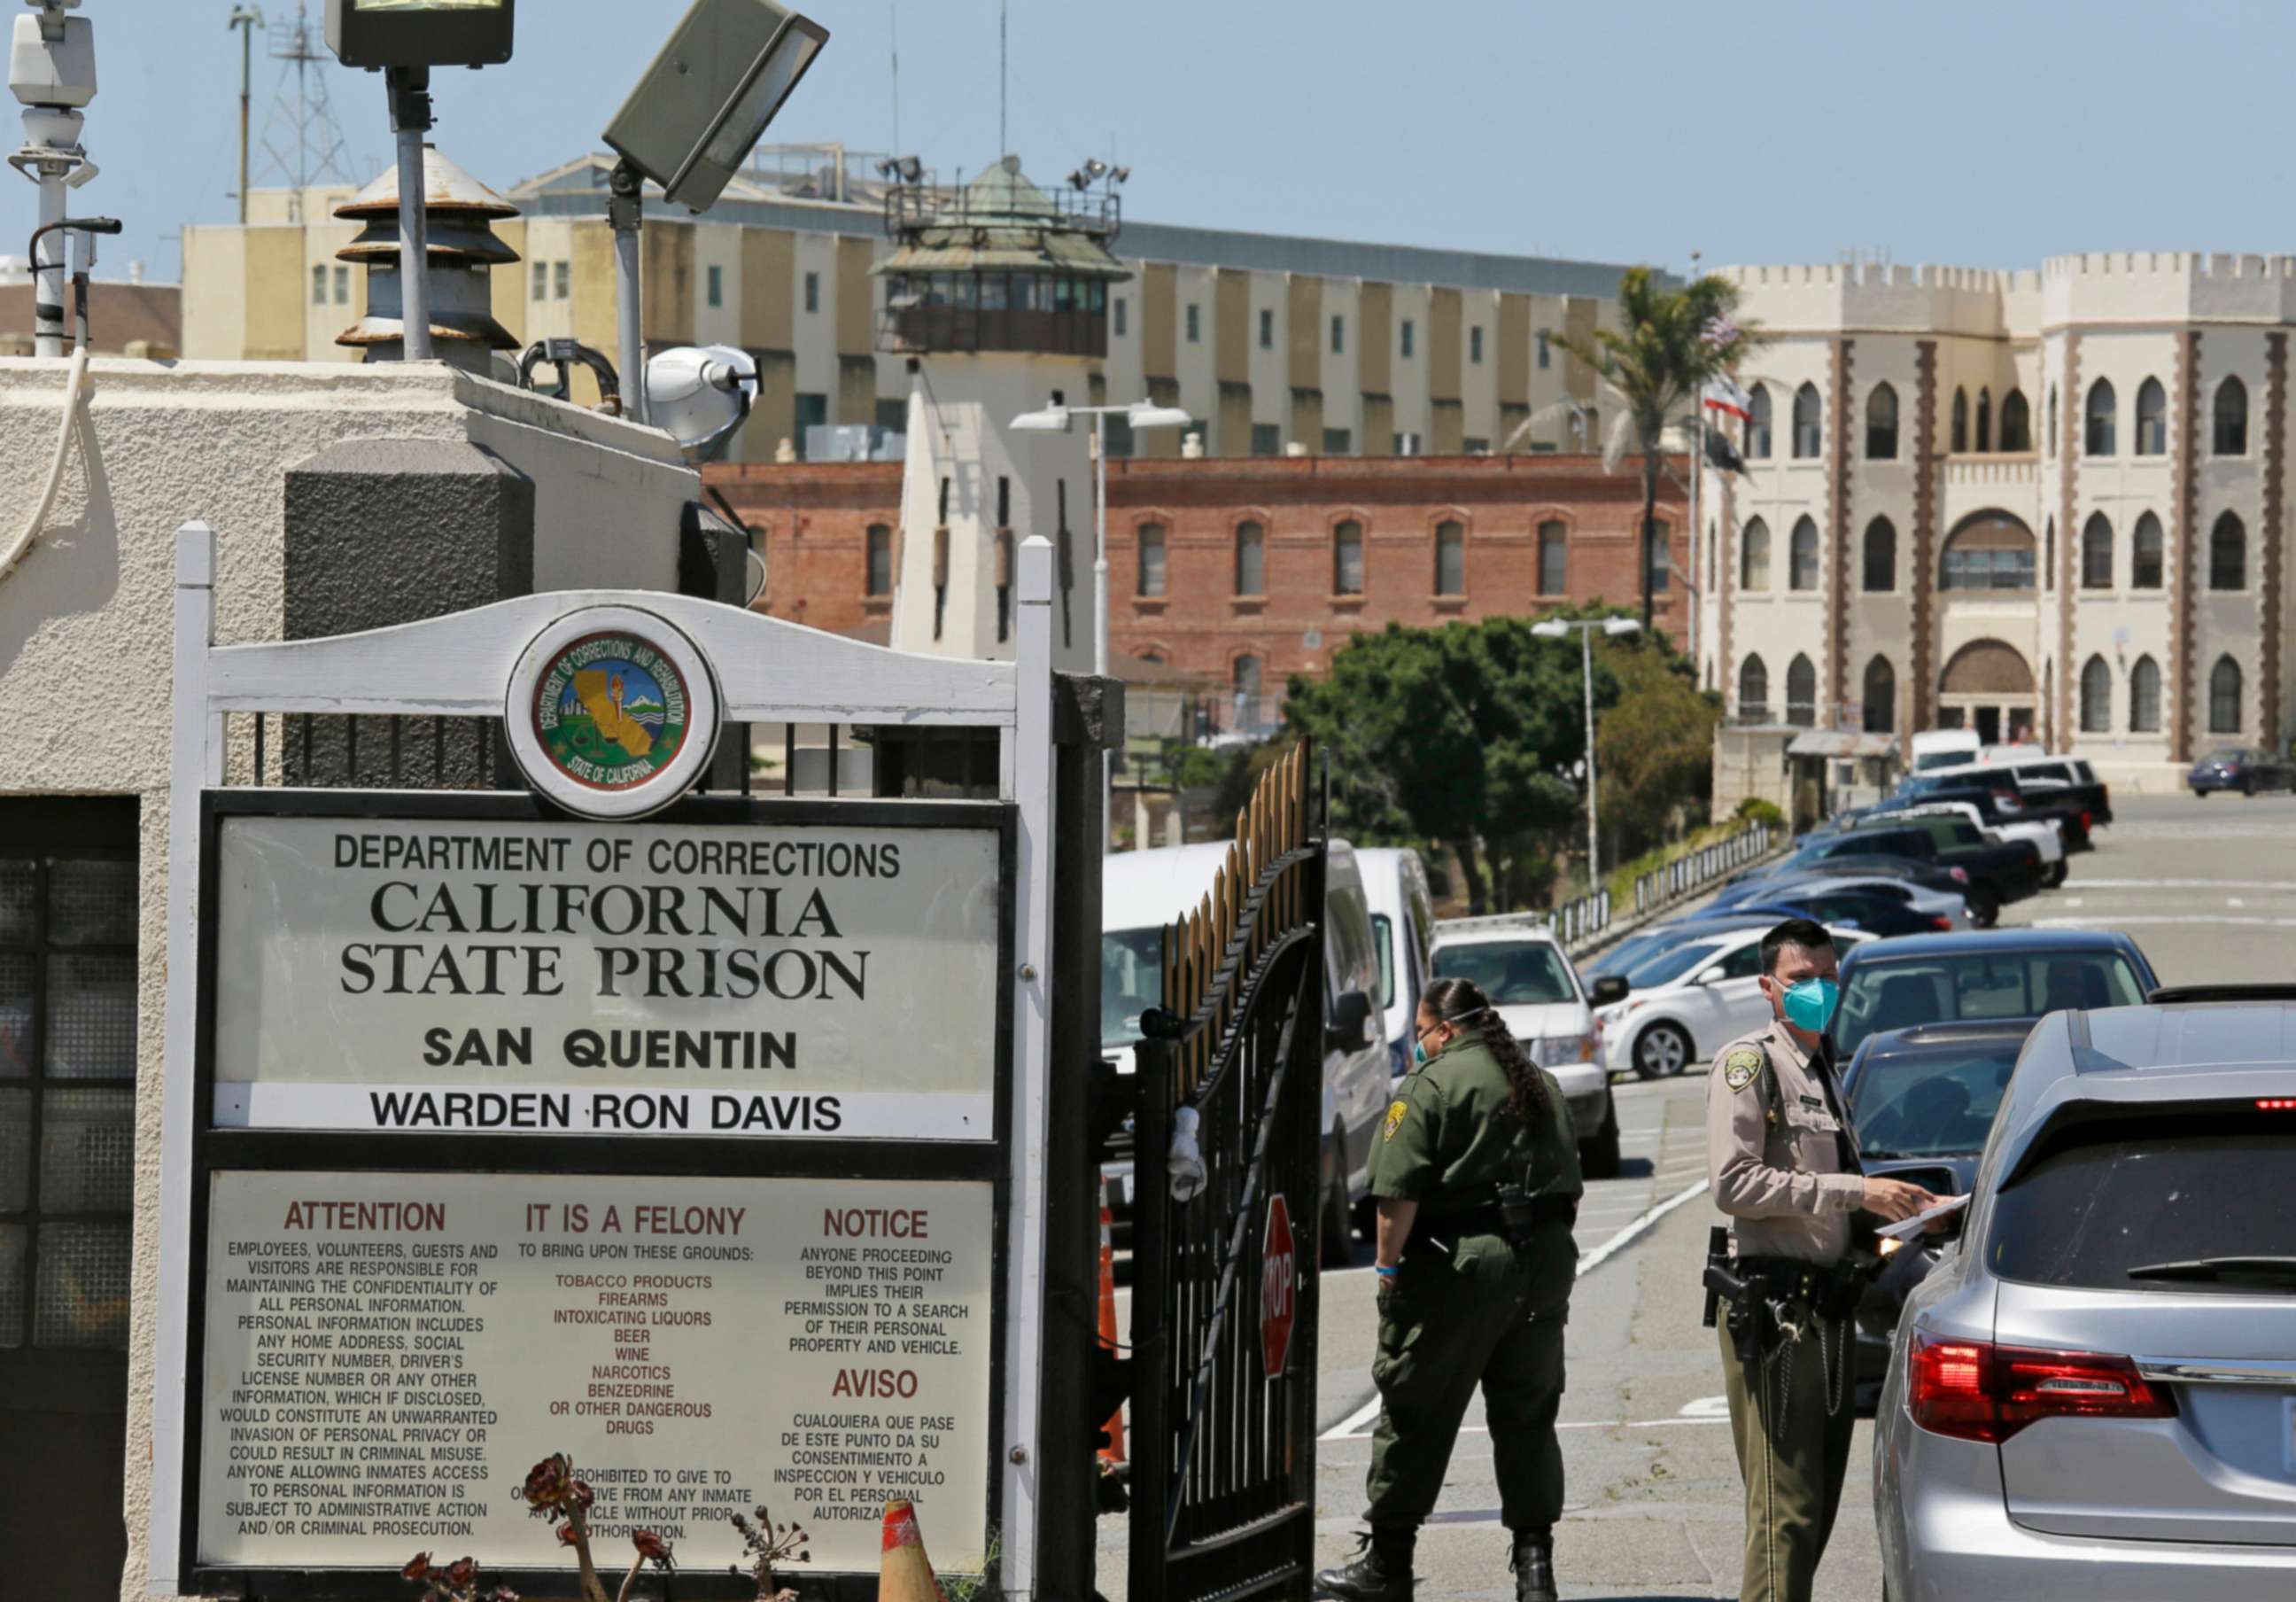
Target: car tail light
(2276, 1104)
(1941, 921)
(1960, 875)
(1977, 1390)
(2086, 824)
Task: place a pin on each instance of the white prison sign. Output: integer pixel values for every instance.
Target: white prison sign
(577, 978)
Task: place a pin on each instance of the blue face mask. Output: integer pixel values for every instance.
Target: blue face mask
(1419, 1054)
(1810, 1003)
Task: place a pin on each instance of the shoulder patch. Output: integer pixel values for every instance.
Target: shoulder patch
(1395, 1116)
(1739, 1067)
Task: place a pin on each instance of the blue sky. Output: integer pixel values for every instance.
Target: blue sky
(1986, 135)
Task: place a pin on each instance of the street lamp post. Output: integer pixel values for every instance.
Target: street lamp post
(1615, 629)
(1056, 419)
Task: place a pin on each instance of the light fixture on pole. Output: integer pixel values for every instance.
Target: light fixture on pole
(692, 121)
(1055, 420)
(1558, 629)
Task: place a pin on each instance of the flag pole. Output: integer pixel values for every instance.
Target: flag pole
(1692, 594)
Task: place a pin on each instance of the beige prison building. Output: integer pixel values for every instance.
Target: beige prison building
(1273, 341)
(2051, 501)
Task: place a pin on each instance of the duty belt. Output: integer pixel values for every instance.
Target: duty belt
(1438, 1232)
(1832, 1291)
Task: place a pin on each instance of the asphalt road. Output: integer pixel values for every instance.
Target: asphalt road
(1653, 1508)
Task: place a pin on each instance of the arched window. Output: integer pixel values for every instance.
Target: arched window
(2152, 420)
(1758, 425)
(2016, 421)
(1880, 697)
(1881, 565)
(880, 560)
(2224, 697)
(2232, 418)
(2098, 440)
(2146, 553)
(1251, 559)
(1753, 691)
(1801, 692)
(2228, 554)
(1882, 425)
(2096, 553)
(1657, 559)
(1985, 420)
(1754, 556)
(2096, 697)
(1960, 421)
(1152, 560)
(1801, 557)
(1348, 559)
(2049, 440)
(1450, 558)
(1988, 551)
(1554, 559)
(2144, 697)
(1808, 414)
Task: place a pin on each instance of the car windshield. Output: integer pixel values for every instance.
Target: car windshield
(1664, 967)
(1131, 982)
(1930, 1101)
(2230, 753)
(2164, 1195)
(1941, 758)
(1511, 973)
(1885, 995)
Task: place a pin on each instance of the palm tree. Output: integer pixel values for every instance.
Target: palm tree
(1668, 344)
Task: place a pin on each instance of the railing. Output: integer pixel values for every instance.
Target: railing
(1582, 919)
(1694, 871)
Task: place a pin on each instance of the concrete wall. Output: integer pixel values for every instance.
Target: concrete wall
(86, 619)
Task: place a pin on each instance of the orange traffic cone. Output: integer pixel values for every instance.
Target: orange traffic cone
(902, 1573)
(1113, 1452)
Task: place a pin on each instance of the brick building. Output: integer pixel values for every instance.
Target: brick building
(1244, 570)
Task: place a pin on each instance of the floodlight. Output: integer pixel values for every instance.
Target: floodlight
(1144, 415)
(1051, 420)
(912, 170)
(1551, 631)
(420, 33)
(700, 394)
(1616, 627)
(704, 104)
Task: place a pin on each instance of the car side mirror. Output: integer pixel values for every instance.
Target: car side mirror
(1610, 990)
(1713, 976)
(1348, 1028)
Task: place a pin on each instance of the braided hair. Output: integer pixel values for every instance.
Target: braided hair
(1461, 1002)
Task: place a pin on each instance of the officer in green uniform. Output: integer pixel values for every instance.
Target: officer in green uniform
(1476, 1174)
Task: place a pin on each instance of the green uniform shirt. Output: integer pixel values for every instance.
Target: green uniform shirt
(1449, 1138)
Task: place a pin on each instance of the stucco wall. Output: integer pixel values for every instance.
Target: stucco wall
(86, 630)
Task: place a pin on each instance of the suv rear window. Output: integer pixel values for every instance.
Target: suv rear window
(1884, 995)
(2121, 1197)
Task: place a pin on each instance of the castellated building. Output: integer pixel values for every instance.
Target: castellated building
(2043, 502)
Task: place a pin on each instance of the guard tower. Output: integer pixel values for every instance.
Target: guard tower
(997, 292)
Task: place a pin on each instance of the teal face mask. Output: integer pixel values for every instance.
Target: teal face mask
(1810, 1003)
(1419, 1054)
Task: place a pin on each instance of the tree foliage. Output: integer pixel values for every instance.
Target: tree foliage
(1654, 749)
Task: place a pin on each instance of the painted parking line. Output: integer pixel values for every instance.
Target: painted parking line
(1588, 1263)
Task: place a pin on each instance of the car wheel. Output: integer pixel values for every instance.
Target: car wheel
(2248, 789)
(1598, 1158)
(1661, 1051)
(2057, 874)
(1984, 907)
(2200, 794)
(1339, 1232)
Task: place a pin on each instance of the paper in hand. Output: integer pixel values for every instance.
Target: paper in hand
(1915, 1225)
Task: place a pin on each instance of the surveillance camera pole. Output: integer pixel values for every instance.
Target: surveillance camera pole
(52, 158)
(625, 214)
(410, 119)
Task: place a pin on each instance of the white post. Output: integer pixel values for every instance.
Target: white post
(1100, 593)
(48, 273)
(1594, 834)
(197, 765)
(1031, 766)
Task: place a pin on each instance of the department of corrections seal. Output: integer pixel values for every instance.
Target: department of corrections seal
(1739, 1067)
(1395, 1116)
(612, 713)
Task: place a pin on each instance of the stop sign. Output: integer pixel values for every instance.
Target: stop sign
(1279, 1299)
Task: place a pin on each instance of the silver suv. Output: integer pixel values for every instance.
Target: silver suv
(2094, 1392)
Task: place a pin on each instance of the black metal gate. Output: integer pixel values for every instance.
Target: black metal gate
(1223, 1449)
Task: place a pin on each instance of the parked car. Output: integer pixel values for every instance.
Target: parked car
(1999, 800)
(1922, 1101)
(2036, 773)
(1819, 862)
(1985, 882)
(1685, 1003)
(1519, 963)
(1933, 905)
(2093, 1392)
(1943, 748)
(2241, 768)
(1999, 872)
(2046, 834)
(2010, 974)
(1870, 916)
(1402, 930)
(1646, 943)
(1142, 892)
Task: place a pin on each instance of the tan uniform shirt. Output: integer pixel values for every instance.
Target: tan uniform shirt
(1773, 1151)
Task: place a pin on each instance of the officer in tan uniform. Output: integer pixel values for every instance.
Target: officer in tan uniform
(1783, 1161)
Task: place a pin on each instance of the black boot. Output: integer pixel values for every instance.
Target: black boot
(1380, 1572)
(1534, 1566)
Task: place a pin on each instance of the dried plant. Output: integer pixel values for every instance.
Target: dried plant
(768, 1544)
(457, 1581)
(651, 1549)
(552, 1493)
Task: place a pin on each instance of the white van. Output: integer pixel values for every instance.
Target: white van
(1143, 891)
(1944, 748)
(1402, 930)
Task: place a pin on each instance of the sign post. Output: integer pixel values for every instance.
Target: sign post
(698, 1137)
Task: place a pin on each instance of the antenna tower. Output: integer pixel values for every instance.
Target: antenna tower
(302, 142)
